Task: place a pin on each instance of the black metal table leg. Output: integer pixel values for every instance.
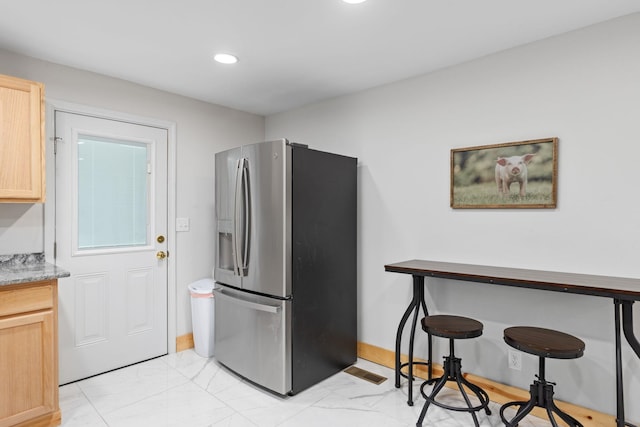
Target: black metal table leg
(619, 385)
(417, 302)
(403, 321)
(627, 325)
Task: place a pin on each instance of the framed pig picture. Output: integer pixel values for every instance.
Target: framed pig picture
(509, 175)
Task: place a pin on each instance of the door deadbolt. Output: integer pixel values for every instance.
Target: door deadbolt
(160, 239)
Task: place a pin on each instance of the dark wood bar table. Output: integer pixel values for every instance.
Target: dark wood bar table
(622, 291)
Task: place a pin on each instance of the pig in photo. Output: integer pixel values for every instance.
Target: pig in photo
(512, 169)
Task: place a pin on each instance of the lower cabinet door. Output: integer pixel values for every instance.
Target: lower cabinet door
(27, 350)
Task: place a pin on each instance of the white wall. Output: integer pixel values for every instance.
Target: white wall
(202, 130)
(582, 87)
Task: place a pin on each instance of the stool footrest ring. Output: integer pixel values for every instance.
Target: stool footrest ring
(481, 394)
(403, 365)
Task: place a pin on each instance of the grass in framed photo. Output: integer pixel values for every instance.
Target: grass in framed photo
(510, 175)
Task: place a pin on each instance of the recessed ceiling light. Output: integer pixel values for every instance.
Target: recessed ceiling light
(354, 1)
(225, 58)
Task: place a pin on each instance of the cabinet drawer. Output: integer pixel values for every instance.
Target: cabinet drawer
(25, 299)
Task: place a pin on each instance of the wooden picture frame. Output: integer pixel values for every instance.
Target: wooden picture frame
(510, 175)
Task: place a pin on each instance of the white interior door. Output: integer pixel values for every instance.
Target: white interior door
(111, 228)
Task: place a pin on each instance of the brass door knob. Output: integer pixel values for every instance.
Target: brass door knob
(161, 255)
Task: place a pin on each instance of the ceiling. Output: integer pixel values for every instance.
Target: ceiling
(292, 52)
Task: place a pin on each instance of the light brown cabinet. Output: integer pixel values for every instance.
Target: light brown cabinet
(21, 140)
(29, 355)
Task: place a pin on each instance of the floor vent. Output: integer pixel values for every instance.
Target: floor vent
(365, 375)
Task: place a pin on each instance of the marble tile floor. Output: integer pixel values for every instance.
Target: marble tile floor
(186, 390)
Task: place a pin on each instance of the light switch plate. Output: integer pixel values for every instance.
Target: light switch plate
(182, 224)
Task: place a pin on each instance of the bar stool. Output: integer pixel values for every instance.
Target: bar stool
(542, 343)
(453, 327)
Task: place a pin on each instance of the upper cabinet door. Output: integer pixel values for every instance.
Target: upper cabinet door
(21, 140)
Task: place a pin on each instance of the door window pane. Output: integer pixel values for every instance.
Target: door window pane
(113, 189)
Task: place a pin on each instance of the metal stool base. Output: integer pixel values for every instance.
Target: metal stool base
(541, 392)
(452, 372)
(541, 396)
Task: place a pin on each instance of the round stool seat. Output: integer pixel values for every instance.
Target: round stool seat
(544, 342)
(454, 327)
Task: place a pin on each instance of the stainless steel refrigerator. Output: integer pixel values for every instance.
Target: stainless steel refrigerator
(285, 268)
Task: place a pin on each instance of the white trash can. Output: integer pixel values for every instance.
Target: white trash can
(202, 312)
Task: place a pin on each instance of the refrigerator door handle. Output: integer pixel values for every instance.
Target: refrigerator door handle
(238, 219)
(248, 304)
(246, 218)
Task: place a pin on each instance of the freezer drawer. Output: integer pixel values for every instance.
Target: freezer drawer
(253, 337)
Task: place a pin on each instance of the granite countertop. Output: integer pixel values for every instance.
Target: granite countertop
(25, 268)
